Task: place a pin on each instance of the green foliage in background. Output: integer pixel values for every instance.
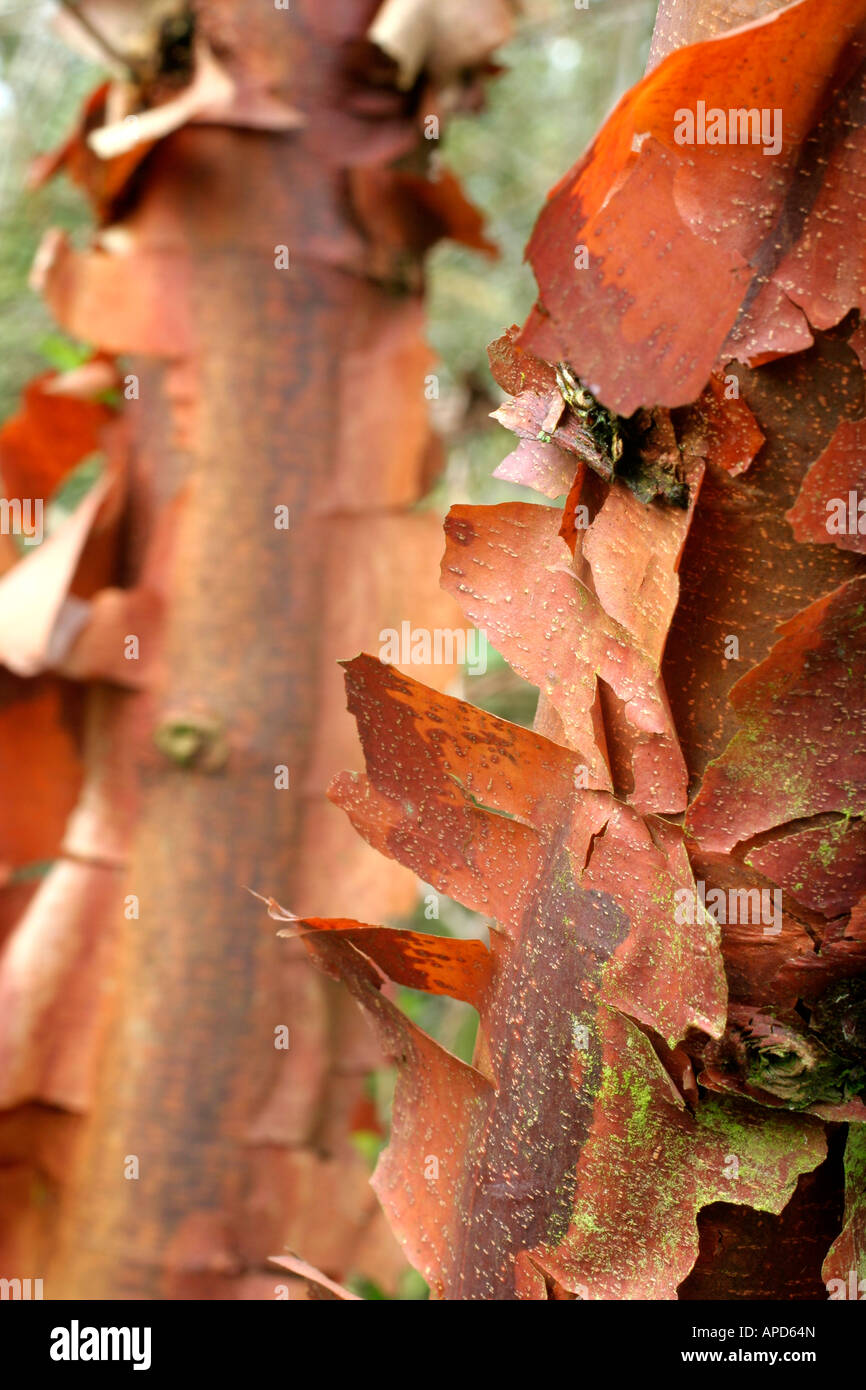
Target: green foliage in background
(562, 74)
(42, 86)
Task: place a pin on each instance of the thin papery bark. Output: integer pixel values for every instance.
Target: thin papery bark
(645, 1113)
(802, 750)
(742, 572)
(827, 510)
(491, 1172)
(579, 642)
(848, 1254)
(670, 1006)
(320, 1285)
(40, 622)
(704, 279)
(246, 401)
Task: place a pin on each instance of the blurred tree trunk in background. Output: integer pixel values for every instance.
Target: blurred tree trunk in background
(266, 285)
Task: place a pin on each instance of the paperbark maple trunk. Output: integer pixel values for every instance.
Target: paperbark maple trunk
(733, 1260)
(688, 1072)
(209, 1147)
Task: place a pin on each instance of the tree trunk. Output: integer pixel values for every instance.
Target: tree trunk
(279, 442)
(671, 1004)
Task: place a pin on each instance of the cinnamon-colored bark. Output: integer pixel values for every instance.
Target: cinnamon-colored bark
(205, 1147)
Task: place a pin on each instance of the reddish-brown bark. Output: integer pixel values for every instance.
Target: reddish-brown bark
(260, 388)
(653, 1091)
